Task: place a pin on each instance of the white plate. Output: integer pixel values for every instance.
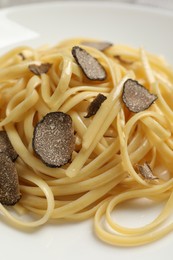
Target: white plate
(49, 23)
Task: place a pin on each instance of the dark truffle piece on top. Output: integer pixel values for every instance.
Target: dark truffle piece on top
(124, 61)
(90, 66)
(9, 184)
(22, 56)
(53, 139)
(101, 46)
(39, 69)
(95, 105)
(136, 97)
(6, 146)
(146, 172)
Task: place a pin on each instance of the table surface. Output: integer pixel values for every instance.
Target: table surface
(168, 4)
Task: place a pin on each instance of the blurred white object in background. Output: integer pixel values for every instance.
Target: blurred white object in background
(7, 3)
(157, 3)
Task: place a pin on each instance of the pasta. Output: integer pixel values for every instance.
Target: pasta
(110, 145)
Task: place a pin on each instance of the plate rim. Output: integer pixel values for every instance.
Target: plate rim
(110, 4)
(102, 3)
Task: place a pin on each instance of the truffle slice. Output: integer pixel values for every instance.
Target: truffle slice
(6, 146)
(101, 46)
(9, 184)
(127, 62)
(22, 56)
(95, 105)
(146, 172)
(92, 69)
(53, 139)
(39, 69)
(136, 97)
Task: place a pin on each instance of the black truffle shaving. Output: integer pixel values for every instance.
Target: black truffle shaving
(6, 146)
(9, 184)
(127, 62)
(136, 97)
(90, 66)
(146, 172)
(95, 105)
(39, 69)
(101, 46)
(53, 139)
(22, 56)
